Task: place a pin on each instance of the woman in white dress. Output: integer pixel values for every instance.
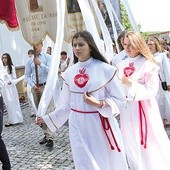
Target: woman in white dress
(164, 76)
(64, 63)
(89, 99)
(146, 142)
(10, 93)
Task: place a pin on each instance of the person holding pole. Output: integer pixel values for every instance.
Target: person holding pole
(36, 72)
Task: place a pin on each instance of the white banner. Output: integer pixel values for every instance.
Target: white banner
(37, 18)
(73, 20)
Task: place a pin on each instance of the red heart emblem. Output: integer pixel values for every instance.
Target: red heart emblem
(81, 79)
(128, 71)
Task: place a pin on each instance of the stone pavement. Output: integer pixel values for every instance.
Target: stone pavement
(22, 142)
(25, 153)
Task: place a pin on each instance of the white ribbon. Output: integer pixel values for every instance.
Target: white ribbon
(53, 72)
(15, 81)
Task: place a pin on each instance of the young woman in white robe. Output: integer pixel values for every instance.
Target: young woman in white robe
(146, 142)
(10, 93)
(89, 99)
(164, 76)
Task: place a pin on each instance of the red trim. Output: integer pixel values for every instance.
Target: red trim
(79, 111)
(106, 127)
(142, 116)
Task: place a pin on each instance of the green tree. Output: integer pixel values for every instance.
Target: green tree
(125, 19)
(126, 22)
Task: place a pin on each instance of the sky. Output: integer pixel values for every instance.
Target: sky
(152, 15)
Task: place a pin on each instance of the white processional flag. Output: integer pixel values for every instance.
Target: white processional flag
(36, 19)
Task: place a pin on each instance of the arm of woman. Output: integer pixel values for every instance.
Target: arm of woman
(59, 116)
(145, 87)
(115, 97)
(12, 76)
(112, 101)
(13, 73)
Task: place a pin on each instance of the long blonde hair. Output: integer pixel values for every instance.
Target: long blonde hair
(138, 43)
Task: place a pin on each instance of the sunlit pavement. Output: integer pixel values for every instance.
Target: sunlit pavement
(25, 153)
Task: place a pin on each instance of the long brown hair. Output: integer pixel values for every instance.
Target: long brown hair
(95, 53)
(9, 62)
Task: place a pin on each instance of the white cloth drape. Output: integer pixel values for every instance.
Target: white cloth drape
(53, 72)
(90, 23)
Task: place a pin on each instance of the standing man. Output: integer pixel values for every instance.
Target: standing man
(31, 103)
(42, 62)
(3, 152)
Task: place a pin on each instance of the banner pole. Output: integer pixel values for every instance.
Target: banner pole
(36, 74)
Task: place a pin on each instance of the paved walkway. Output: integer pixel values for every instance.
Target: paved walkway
(25, 153)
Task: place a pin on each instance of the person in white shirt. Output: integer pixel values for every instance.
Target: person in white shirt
(42, 61)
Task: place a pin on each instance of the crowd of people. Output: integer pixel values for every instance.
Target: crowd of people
(130, 85)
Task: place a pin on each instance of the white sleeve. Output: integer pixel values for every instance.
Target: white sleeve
(60, 115)
(166, 69)
(116, 98)
(144, 88)
(13, 76)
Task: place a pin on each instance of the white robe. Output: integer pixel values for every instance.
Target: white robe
(163, 96)
(32, 107)
(10, 97)
(143, 91)
(90, 146)
(62, 67)
(119, 57)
